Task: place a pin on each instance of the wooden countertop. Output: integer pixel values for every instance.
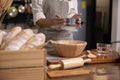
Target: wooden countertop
(102, 71)
(107, 71)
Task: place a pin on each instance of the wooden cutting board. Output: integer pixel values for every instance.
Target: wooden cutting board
(114, 57)
(64, 73)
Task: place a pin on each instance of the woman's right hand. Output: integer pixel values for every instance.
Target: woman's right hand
(48, 22)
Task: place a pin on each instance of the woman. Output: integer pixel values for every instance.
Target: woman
(50, 16)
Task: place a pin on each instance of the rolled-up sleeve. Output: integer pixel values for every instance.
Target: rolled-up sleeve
(76, 5)
(73, 8)
(37, 9)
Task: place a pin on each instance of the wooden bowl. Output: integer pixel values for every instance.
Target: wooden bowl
(69, 48)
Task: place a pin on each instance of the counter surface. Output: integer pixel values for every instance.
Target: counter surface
(107, 71)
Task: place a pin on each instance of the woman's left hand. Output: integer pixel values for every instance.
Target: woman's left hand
(78, 19)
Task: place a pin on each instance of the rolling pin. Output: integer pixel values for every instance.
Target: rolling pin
(69, 63)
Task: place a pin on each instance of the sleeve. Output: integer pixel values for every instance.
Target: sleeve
(37, 9)
(73, 8)
(76, 6)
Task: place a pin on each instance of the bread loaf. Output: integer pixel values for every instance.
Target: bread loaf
(36, 40)
(11, 34)
(17, 42)
(2, 35)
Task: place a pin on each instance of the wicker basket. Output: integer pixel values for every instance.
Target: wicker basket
(69, 48)
(4, 6)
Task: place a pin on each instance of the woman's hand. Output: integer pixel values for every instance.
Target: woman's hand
(58, 21)
(78, 19)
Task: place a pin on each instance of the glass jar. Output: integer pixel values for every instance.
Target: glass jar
(104, 49)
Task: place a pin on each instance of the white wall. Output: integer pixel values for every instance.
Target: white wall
(116, 24)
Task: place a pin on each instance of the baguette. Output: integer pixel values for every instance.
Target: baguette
(11, 34)
(17, 42)
(36, 40)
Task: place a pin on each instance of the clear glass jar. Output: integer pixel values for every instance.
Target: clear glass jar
(104, 49)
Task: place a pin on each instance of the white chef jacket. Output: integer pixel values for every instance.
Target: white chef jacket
(51, 8)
